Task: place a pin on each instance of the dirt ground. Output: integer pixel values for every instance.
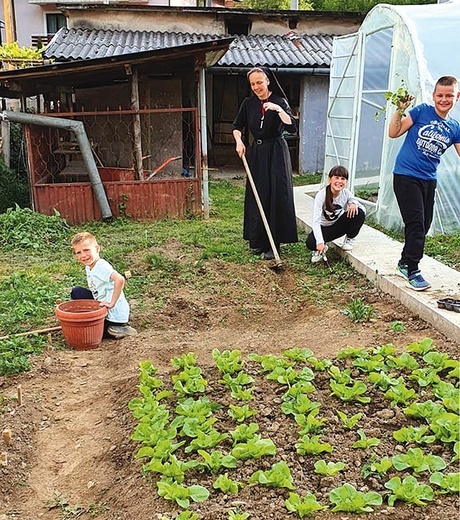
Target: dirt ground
(71, 455)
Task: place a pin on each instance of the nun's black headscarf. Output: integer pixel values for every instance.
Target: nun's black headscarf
(274, 87)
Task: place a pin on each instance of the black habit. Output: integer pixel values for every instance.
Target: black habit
(270, 166)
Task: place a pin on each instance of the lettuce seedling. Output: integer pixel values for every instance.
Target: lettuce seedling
(241, 413)
(279, 475)
(415, 459)
(235, 515)
(330, 469)
(352, 352)
(228, 361)
(449, 483)
(298, 388)
(446, 427)
(254, 448)
(206, 441)
(404, 361)
(189, 381)
(240, 380)
(319, 365)
(350, 393)
(400, 394)
(215, 461)
(428, 410)
(301, 404)
(303, 506)
(284, 376)
(422, 347)
(174, 469)
(444, 389)
(409, 490)
(365, 442)
(340, 376)
(456, 451)
(437, 360)
(269, 361)
(309, 423)
(312, 446)
(372, 364)
(187, 515)
(180, 494)
(162, 450)
(349, 422)
(184, 361)
(376, 468)
(384, 350)
(413, 434)
(425, 376)
(227, 485)
(244, 432)
(382, 380)
(300, 355)
(347, 498)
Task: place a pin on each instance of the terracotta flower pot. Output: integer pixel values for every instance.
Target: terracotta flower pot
(82, 323)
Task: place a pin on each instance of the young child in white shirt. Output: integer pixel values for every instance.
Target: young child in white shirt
(105, 285)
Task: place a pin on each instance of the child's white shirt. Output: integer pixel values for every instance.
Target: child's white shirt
(102, 286)
(322, 217)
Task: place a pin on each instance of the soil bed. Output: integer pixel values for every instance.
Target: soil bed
(71, 444)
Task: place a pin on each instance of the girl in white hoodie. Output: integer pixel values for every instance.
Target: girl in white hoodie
(336, 212)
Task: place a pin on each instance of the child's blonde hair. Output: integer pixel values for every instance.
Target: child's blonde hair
(80, 237)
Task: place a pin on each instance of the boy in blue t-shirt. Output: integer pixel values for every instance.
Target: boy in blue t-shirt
(430, 131)
(105, 285)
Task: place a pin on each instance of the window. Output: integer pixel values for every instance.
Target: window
(54, 21)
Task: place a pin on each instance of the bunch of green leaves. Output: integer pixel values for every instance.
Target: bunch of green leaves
(330, 469)
(349, 422)
(376, 468)
(350, 393)
(189, 381)
(365, 442)
(228, 361)
(254, 448)
(15, 353)
(215, 460)
(22, 228)
(448, 483)
(359, 311)
(305, 506)
(240, 413)
(31, 296)
(348, 499)
(226, 484)
(312, 446)
(172, 490)
(415, 459)
(409, 490)
(279, 475)
(238, 385)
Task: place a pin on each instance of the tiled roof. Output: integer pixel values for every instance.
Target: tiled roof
(289, 50)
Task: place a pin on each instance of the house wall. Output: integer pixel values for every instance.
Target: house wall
(312, 125)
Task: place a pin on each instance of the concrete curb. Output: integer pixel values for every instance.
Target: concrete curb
(376, 255)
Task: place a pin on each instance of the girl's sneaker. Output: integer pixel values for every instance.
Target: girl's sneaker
(348, 244)
(417, 282)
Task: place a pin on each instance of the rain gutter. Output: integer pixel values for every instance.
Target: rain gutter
(85, 148)
(306, 71)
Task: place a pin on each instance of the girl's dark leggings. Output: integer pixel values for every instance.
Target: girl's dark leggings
(345, 225)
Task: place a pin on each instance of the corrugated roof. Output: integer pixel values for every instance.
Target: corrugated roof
(87, 44)
(289, 50)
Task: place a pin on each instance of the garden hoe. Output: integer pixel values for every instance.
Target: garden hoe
(278, 262)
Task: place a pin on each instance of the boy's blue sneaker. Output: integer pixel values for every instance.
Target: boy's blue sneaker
(417, 282)
(403, 270)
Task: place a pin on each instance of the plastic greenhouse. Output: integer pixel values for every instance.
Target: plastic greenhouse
(395, 46)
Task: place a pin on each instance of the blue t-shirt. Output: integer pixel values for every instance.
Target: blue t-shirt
(426, 140)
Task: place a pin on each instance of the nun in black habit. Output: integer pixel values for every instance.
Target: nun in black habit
(266, 115)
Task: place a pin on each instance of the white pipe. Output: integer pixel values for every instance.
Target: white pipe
(204, 143)
(78, 128)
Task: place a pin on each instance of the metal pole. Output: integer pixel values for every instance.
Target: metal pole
(204, 142)
(78, 128)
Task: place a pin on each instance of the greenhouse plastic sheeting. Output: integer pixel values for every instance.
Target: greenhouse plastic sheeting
(396, 46)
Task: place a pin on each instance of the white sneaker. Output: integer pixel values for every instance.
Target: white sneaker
(348, 244)
(317, 256)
